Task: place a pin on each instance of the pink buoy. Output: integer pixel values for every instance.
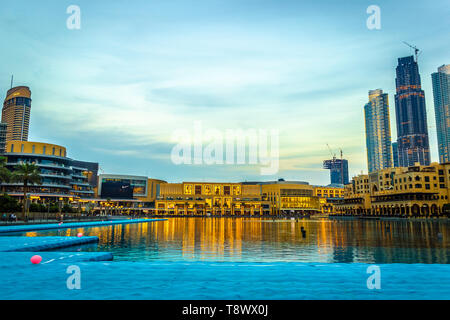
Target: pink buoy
(36, 259)
(79, 235)
(60, 223)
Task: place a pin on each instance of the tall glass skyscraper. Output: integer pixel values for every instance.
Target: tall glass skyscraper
(16, 113)
(395, 154)
(441, 93)
(412, 130)
(378, 131)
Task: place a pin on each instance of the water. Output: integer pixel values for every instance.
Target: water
(265, 240)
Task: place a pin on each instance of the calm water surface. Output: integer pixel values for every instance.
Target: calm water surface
(249, 239)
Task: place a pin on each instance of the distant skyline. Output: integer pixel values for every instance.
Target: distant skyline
(115, 90)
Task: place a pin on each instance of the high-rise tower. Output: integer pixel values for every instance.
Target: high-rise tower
(378, 131)
(16, 113)
(412, 130)
(441, 94)
(338, 170)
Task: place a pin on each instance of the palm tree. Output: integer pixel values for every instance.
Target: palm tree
(5, 174)
(26, 173)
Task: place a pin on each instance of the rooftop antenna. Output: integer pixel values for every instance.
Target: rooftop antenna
(416, 50)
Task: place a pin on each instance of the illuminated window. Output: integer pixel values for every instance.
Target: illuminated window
(187, 189)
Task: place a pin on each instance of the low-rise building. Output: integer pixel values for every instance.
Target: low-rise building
(328, 196)
(236, 199)
(59, 179)
(403, 191)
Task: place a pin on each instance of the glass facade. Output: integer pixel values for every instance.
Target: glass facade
(137, 184)
(58, 176)
(16, 113)
(412, 130)
(441, 94)
(338, 170)
(378, 131)
(395, 154)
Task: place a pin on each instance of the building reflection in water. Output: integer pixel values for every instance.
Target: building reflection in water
(250, 239)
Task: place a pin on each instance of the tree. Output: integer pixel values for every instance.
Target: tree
(5, 174)
(26, 173)
(8, 204)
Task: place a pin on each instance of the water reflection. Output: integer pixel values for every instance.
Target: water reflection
(245, 239)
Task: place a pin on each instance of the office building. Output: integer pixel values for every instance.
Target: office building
(338, 170)
(3, 130)
(441, 94)
(395, 154)
(412, 130)
(16, 113)
(378, 131)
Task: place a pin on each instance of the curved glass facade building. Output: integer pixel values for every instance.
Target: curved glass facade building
(60, 179)
(16, 113)
(412, 131)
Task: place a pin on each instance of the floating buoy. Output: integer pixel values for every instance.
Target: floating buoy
(36, 259)
(79, 235)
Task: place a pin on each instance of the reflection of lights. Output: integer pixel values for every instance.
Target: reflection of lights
(250, 238)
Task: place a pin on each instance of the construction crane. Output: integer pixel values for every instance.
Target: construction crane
(336, 166)
(331, 152)
(416, 50)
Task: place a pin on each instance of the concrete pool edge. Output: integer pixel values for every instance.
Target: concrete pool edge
(226, 281)
(39, 227)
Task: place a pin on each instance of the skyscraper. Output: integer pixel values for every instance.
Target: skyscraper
(16, 113)
(3, 129)
(395, 154)
(378, 131)
(441, 94)
(412, 130)
(338, 170)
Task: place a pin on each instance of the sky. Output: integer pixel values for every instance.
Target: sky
(116, 90)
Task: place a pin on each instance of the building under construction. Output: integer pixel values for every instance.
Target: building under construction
(338, 170)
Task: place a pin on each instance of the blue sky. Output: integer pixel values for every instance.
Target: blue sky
(115, 90)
